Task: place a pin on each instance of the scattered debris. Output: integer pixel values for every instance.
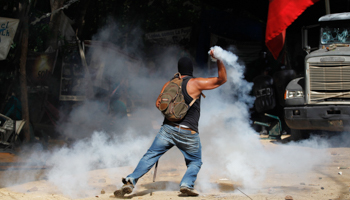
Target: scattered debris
(102, 191)
(32, 189)
(333, 153)
(302, 183)
(340, 173)
(343, 167)
(288, 197)
(319, 177)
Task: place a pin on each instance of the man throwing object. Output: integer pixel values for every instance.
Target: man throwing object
(183, 134)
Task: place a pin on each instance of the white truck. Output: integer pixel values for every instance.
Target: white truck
(321, 99)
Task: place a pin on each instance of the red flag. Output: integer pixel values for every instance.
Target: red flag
(281, 14)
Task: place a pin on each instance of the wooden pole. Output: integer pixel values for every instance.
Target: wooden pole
(23, 74)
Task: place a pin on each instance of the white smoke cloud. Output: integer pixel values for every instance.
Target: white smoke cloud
(231, 148)
(236, 151)
(70, 165)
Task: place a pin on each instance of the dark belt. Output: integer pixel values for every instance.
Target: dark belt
(183, 128)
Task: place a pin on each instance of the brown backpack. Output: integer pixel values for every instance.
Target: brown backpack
(172, 103)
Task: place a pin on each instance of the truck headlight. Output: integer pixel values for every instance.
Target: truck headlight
(293, 94)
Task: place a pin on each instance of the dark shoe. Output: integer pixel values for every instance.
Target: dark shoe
(126, 189)
(188, 191)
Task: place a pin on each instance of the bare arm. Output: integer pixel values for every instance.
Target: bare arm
(199, 84)
(158, 99)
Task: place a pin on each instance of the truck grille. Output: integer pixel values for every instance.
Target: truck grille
(329, 83)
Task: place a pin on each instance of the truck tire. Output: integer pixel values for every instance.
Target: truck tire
(299, 134)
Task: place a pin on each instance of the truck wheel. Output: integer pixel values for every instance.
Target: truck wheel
(299, 134)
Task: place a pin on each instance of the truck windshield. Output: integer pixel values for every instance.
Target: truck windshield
(338, 34)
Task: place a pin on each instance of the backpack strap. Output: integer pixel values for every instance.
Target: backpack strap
(177, 75)
(194, 100)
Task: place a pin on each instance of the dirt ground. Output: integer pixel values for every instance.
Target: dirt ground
(329, 180)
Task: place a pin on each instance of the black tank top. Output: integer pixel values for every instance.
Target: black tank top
(192, 117)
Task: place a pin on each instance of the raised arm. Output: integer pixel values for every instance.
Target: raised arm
(212, 82)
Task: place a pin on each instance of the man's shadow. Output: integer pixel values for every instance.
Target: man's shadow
(152, 187)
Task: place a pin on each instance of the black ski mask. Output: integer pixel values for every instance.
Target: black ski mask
(185, 66)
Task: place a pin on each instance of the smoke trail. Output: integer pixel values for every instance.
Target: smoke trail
(236, 88)
(238, 152)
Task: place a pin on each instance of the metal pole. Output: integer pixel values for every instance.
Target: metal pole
(328, 9)
(155, 171)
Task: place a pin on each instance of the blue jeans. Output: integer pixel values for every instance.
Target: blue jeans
(168, 136)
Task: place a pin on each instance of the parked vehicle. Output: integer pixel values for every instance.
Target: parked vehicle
(321, 99)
